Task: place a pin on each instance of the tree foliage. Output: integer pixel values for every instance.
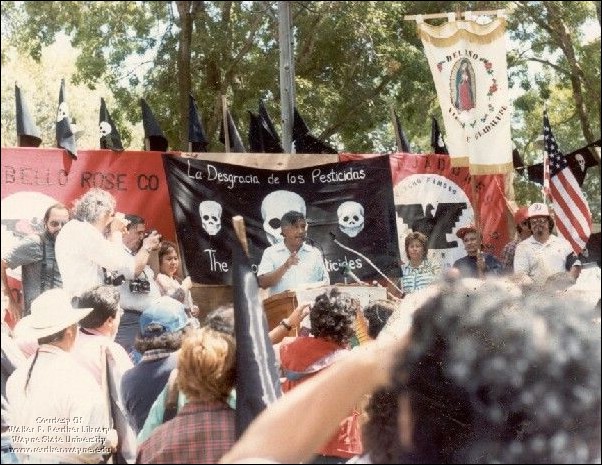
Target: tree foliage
(353, 60)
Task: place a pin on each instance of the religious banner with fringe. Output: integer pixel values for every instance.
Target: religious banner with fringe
(468, 63)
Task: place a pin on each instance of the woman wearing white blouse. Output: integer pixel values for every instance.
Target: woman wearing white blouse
(168, 280)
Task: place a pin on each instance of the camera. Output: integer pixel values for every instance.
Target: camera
(148, 233)
(112, 278)
(139, 286)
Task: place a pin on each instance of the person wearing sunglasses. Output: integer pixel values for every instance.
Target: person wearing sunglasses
(35, 255)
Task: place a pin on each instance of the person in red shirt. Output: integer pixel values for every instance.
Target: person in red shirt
(332, 318)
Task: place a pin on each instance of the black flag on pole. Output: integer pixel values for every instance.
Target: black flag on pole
(257, 380)
(236, 144)
(196, 135)
(109, 136)
(401, 135)
(255, 134)
(28, 134)
(581, 160)
(65, 138)
(270, 138)
(153, 134)
(304, 142)
(437, 141)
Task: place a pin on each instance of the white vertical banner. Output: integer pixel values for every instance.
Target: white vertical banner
(468, 63)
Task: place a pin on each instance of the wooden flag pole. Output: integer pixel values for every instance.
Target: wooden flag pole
(225, 123)
(477, 218)
(238, 222)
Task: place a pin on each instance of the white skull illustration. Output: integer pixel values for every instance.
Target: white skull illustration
(581, 161)
(351, 218)
(276, 204)
(211, 216)
(105, 129)
(63, 112)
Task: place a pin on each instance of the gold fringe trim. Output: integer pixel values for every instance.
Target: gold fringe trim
(501, 168)
(449, 34)
(459, 162)
(464, 162)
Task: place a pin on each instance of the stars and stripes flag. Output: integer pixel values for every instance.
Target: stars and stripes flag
(573, 217)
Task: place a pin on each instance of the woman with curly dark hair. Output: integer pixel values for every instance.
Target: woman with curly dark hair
(332, 318)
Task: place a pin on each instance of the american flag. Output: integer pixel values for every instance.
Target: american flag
(573, 218)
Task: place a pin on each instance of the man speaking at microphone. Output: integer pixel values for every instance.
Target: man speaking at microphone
(291, 263)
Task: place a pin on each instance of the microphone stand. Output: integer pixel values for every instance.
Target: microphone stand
(367, 260)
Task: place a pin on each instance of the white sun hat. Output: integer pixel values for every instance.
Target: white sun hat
(51, 312)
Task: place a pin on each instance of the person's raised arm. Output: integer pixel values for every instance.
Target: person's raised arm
(318, 405)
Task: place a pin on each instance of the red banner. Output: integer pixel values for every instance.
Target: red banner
(432, 197)
(35, 178)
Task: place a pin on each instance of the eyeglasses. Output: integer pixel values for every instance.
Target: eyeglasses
(56, 224)
(539, 220)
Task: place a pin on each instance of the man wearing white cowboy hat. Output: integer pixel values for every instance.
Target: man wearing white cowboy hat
(57, 409)
(543, 254)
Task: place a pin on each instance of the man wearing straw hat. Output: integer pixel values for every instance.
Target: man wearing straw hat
(57, 410)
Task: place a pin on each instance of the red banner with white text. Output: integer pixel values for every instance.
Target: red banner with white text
(35, 178)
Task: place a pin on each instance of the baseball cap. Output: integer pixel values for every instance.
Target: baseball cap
(164, 315)
(465, 230)
(538, 209)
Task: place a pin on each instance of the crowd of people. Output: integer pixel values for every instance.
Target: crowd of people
(483, 362)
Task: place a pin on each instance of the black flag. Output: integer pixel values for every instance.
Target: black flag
(270, 139)
(109, 136)
(580, 160)
(255, 134)
(517, 160)
(236, 144)
(304, 142)
(196, 135)
(535, 173)
(437, 142)
(65, 138)
(152, 131)
(401, 136)
(28, 134)
(257, 381)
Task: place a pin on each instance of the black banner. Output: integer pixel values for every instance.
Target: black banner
(352, 201)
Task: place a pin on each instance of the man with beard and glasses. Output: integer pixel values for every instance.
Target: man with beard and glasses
(35, 254)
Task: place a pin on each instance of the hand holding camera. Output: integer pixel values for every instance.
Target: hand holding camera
(152, 240)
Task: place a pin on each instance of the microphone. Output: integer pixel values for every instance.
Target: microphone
(376, 268)
(346, 271)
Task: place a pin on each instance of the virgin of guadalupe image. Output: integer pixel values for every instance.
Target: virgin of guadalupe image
(464, 100)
